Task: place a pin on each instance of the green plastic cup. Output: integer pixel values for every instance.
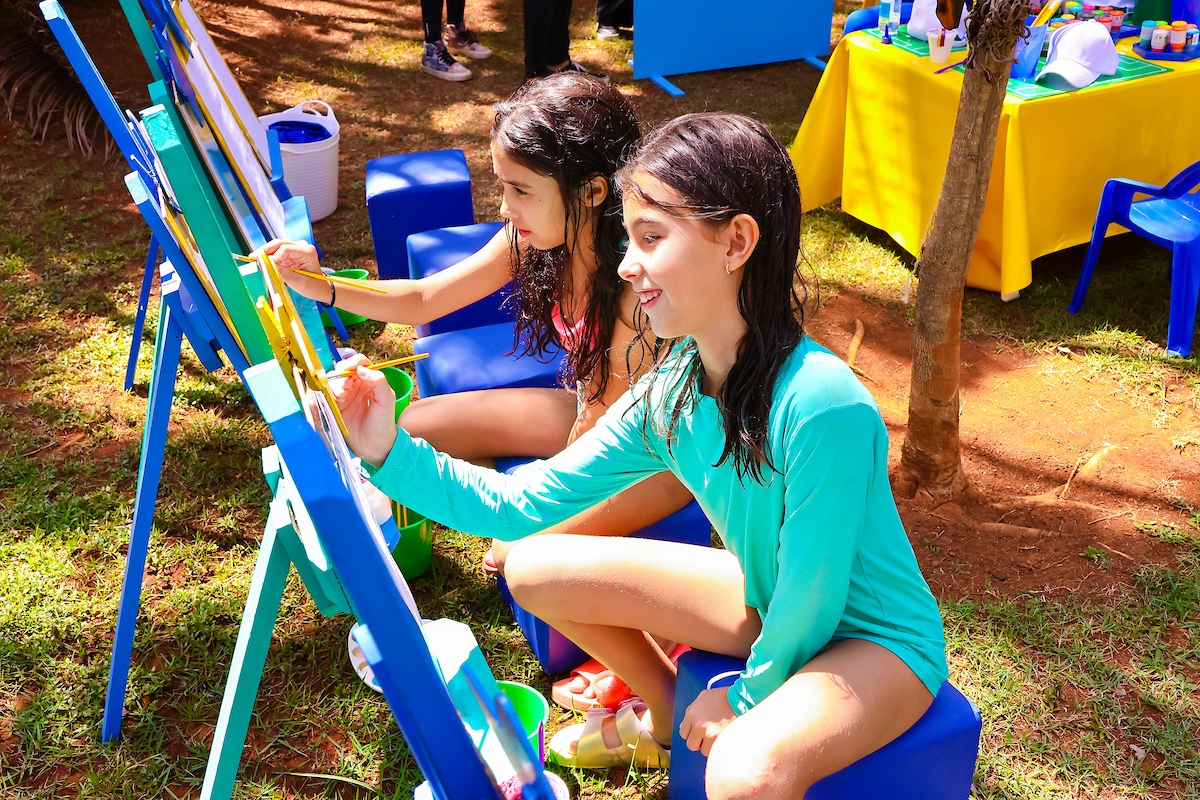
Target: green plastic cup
(533, 711)
(347, 318)
(413, 553)
(401, 384)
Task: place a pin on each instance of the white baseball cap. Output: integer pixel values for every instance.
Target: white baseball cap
(1079, 54)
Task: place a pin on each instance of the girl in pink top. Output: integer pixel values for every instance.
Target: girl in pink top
(556, 145)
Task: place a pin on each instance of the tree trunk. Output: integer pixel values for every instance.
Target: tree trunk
(930, 458)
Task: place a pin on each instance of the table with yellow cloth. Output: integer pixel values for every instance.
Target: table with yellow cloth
(877, 134)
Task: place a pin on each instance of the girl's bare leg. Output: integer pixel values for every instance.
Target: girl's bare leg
(620, 590)
(479, 426)
(653, 499)
(851, 699)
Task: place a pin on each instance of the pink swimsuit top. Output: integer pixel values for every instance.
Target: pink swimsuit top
(570, 337)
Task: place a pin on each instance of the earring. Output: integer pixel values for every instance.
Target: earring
(727, 272)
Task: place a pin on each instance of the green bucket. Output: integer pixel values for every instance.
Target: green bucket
(401, 384)
(533, 711)
(414, 551)
(346, 317)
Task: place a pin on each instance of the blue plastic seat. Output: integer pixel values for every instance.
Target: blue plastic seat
(557, 653)
(412, 192)
(868, 17)
(430, 252)
(481, 358)
(1169, 217)
(932, 760)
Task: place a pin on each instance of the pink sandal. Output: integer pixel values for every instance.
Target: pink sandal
(594, 696)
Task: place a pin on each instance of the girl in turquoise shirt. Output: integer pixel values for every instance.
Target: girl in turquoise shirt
(817, 586)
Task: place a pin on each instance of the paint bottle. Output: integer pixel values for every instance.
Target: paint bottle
(1193, 39)
(1178, 35)
(1068, 18)
(1158, 39)
(1088, 12)
(1147, 33)
(1106, 21)
(885, 13)
(1118, 20)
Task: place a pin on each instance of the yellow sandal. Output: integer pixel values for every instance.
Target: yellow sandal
(637, 748)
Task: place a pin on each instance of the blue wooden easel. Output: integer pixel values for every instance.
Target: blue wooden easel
(185, 311)
(426, 690)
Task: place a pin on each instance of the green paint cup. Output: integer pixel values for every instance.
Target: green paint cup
(347, 318)
(413, 553)
(401, 384)
(533, 711)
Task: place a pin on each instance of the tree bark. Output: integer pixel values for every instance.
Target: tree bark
(930, 457)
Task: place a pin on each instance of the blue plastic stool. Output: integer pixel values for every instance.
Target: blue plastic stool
(868, 17)
(1169, 217)
(481, 358)
(413, 192)
(932, 760)
(431, 252)
(554, 651)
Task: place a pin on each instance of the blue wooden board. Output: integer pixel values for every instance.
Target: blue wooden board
(674, 37)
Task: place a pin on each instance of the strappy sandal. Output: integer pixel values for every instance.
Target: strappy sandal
(637, 748)
(592, 671)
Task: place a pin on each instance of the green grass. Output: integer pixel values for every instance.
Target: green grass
(1071, 690)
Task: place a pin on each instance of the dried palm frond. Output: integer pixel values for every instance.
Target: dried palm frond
(36, 77)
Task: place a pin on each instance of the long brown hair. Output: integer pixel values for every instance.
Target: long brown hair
(722, 165)
(570, 127)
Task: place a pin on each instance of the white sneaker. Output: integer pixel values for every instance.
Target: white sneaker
(438, 62)
(607, 33)
(463, 42)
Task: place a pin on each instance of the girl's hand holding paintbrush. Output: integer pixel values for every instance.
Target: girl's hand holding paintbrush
(368, 407)
(292, 256)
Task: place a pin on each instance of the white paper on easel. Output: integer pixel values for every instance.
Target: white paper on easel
(347, 468)
(228, 84)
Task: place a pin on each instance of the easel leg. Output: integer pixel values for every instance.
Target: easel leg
(154, 439)
(249, 657)
(139, 321)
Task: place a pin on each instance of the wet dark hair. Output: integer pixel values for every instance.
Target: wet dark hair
(570, 127)
(720, 166)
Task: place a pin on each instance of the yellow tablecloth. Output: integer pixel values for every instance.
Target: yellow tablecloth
(877, 134)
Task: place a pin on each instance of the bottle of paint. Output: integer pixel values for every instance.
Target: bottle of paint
(1193, 39)
(885, 13)
(1118, 20)
(1147, 33)
(1178, 35)
(1158, 39)
(1088, 12)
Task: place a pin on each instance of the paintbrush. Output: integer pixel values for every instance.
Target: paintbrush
(393, 362)
(1046, 13)
(357, 284)
(949, 67)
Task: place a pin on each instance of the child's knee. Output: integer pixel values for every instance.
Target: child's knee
(531, 570)
(745, 766)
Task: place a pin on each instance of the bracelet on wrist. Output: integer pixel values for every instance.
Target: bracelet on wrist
(332, 296)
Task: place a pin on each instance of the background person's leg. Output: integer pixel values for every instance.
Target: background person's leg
(558, 51)
(431, 19)
(539, 18)
(851, 699)
(614, 13)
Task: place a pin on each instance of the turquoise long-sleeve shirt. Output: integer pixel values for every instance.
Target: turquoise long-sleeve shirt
(820, 543)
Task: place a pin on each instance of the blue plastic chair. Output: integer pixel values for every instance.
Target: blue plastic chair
(430, 252)
(1169, 217)
(869, 18)
(932, 760)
